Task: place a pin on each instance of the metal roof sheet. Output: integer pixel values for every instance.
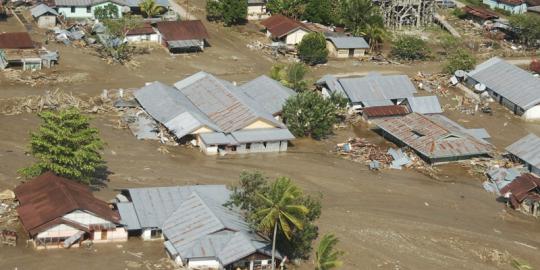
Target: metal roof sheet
(527, 149)
(270, 93)
(345, 42)
(217, 138)
(42, 9)
(183, 44)
(182, 30)
(16, 40)
(262, 135)
(381, 111)
(377, 103)
(128, 215)
(513, 83)
(479, 133)
(425, 104)
(87, 3)
(332, 84)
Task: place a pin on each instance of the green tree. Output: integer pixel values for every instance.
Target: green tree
(66, 145)
(357, 15)
(459, 60)
(230, 12)
(376, 34)
(319, 11)
(280, 211)
(326, 257)
(312, 49)
(214, 10)
(150, 9)
(309, 114)
(290, 8)
(291, 76)
(109, 11)
(408, 47)
(113, 44)
(527, 27)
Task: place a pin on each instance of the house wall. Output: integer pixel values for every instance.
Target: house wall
(343, 53)
(259, 124)
(46, 21)
(203, 264)
(85, 218)
(515, 9)
(143, 38)
(256, 12)
(82, 12)
(532, 114)
(147, 235)
(295, 37)
(117, 235)
(58, 231)
(207, 149)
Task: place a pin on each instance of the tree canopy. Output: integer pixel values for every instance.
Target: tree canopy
(230, 12)
(109, 11)
(326, 257)
(319, 11)
(459, 60)
(150, 9)
(312, 49)
(407, 47)
(66, 145)
(527, 27)
(291, 76)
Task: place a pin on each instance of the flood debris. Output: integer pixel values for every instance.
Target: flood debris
(8, 218)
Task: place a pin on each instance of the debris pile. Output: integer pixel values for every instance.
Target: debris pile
(8, 210)
(433, 83)
(39, 78)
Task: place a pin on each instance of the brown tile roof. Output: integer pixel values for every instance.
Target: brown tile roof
(521, 188)
(16, 40)
(382, 111)
(481, 13)
(48, 197)
(279, 25)
(145, 29)
(182, 30)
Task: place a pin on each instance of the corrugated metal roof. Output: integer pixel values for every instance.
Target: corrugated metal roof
(262, 135)
(479, 133)
(377, 103)
(433, 138)
(128, 215)
(182, 30)
(527, 149)
(332, 84)
(509, 81)
(345, 42)
(279, 25)
(87, 3)
(425, 105)
(381, 111)
(217, 138)
(42, 9)
(16, 40)
(183, 44)
(522, 186)
(270, 93)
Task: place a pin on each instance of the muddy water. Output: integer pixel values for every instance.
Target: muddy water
(388, 220)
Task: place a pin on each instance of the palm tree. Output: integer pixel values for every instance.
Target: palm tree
(150, 8)
(280, 210)
(376, 34)
(326, 257)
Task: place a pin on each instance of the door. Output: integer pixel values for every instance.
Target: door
(351, 52)
(104, 235)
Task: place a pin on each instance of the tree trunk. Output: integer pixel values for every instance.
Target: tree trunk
(274, 248)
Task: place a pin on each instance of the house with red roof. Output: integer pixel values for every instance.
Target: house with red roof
(57, 212)
(285, 29)
(182, 36)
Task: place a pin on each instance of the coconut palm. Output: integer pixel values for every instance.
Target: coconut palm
(150, 8)
(280, 211)
(376, 34)
(326, 257)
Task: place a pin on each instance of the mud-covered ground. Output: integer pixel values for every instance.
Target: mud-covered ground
(386, 220)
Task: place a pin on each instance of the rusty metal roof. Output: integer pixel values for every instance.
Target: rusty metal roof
(382, 111)
(145, 29)
(16, 40)
(182, 30)
(432, 138)
(522, 187)
(49, 197)
(480, 12)
(279, 25)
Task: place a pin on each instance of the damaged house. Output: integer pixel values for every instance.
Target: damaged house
(57, 213)
(18, 50)
(215, 115)
(509, 85)
(369, 91)
(198, 231)
(182, 36)
(435, 138)
(523, 194)
(527, 151)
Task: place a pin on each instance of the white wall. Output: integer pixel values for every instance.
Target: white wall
(143, 38)
(295, 37)
(532, 114)
(46, 21)
(61, 230)
(205, 264)
(147, 235)
(116, 235)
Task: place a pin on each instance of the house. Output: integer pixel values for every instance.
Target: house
(369, 91)
(523, 194)
(18, 50)
(256, 10)
(284, 29)
(377, 112)
(215, 115)
(346, 46)
(511, 86)
(44, 15)
(57, 212)
(512, 6)
(198, 231)
(435, 138)
(85, 9)
(270, 93)
(144, 33)
(182, 36)
(480, 14)
(424, 105)
(527, 151)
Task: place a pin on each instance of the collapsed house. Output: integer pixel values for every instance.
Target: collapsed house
(284, 29)
(435, 138)
(523, 194)
(18, 50)
(346, 46)
(369, 91)
(182, 36)
(509, 85)
(527, 151)
(57, 212)
(480, 14)
(216, 115)
(399, 13)
(198, 231)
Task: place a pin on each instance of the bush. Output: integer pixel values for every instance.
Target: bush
(410, 48)
(291, 76)
(460, 60)
(213, 10)
(230, 12)
(527, 28)
(312, 49)
(109, 11)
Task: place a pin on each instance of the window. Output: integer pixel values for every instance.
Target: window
(155, 234)
(88, 9)
(248, 146)
(72, 9)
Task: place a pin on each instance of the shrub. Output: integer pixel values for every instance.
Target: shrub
(312, 49)
(410, 48)
(460, 60)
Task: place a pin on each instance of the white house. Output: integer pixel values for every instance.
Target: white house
(284, 29)
(44, 15)
(257, 10)
(512, 6)
(144, 33)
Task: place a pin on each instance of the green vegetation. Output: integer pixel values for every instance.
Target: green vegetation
(312, 49)
(110, 11)
(459, 60)
(66, 145)
(326, 257)
(527, 27)
(280, 207)
(309, 114)
(319, 11)
(362, 18)
(408, 47)
(150, 9)
(291, 76)
(114, 46)
(290, 8)
(230, 12)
